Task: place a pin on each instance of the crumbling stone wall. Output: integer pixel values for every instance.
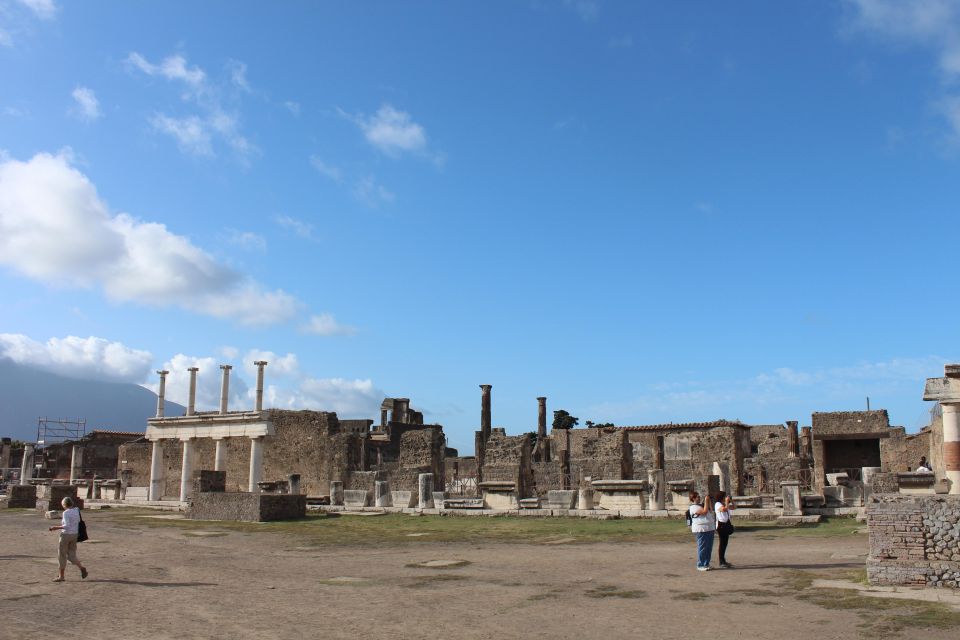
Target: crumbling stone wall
(771, 462)
(914, 540)
(136, 457)
(508, 458)
(599, 454)
(901, 452)
(547, 476)
(843, 423)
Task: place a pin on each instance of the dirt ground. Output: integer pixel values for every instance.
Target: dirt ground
(161, 578)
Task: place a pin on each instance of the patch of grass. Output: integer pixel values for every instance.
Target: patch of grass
(761, 603)
(757, 593)
(608, 591)
(692, 595)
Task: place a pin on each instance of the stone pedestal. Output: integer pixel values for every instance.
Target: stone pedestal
(658, 497)
(561, 499)
(381, 494)
(425, 491)
(336, 492)
(403, 499)
(790, 490)
(585, 499)
(680, 493)
(618, 495)
(355, 498)
(23, 496)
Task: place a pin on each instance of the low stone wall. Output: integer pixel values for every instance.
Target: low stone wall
(914, 540)
(21, 496)
(247, 507)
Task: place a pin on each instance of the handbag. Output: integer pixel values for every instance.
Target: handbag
(726, 528)
(82, 530)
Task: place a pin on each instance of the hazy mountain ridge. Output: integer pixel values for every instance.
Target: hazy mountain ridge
(27, 393)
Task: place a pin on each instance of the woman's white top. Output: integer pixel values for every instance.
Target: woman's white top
(722, 516)
(71, 520)
(702, 523)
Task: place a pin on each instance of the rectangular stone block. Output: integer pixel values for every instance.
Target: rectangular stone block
(355, 497)
(21, 496)
(561, 499)
(404, 499)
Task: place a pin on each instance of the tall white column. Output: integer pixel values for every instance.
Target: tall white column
(156, 472)
(161, 392)
(951, 445)
(225, 387)
(256, 464)
(192, 400)
(186, 470)
(26, 467)
(76, 463)
(260, 365)
(220, 455)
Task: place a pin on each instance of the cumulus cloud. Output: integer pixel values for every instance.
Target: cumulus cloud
(75, 357)
(285, 366)
(55, 228)
(394, 132)
(325, 324)
(209, 380)
(348, 398)
(196, 132)
(930, 24)
(86, 106)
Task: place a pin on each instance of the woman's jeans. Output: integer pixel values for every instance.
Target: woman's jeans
(704, 548)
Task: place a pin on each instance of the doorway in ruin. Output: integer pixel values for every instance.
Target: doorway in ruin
(850, 456)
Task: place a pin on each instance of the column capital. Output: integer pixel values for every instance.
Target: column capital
(162, 372)
(486, 387)
(193, 369)
(226, 367)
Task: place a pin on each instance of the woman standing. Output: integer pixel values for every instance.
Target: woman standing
(703, 527)
(69, 527)
(723, 507)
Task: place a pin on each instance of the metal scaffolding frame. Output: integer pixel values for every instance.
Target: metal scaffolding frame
(56, 430)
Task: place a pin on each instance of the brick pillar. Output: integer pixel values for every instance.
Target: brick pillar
(485, 421)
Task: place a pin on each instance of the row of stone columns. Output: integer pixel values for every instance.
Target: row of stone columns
(224, 389)
(187, 466)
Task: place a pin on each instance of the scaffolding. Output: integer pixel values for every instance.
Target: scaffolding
(56, 430)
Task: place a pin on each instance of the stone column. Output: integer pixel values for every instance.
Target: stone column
(125, 475)
(792, 504)
(383, 419)
(225, 387)
(381, 494)
(260, 365)
(76, 463)
(219, 455)
(401, 410)
(485, 411)
(192, 401)
(658, 490)
(156, 472)
(26, 466)
(336, 492)
(161, 392)
(425, 490)
(541, 418)
(186, 469)
(806, 442)
(793, 447)
(951, 445)
(256, 464)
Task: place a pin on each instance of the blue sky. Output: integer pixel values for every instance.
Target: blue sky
(647, 212)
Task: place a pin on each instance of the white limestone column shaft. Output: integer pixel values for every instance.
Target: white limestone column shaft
(76, 463)
(161, 392)
(256, 464)
(220, 455)
(260, 365)
(951, 445)
(156, 472)
(186, 470)
(26, 466)
(192, 400)
(225, 387)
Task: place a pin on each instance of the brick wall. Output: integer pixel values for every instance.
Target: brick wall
(601, 455)
(914, 540)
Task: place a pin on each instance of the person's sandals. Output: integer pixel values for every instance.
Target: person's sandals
(83, 573)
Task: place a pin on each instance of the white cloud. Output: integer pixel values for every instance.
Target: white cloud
(209, 382)
(325, 169)
(172, 68)
(931, 24)
(292, 107)
(230, 353)
(299, 227)
(371, 193)
(87, 107)
(391, 131)
(195, 133)
(55, 228)
(85, 358)
(348, 398)
(246, 240)
(238, 75)
(283, 366)
(325, 324)
(43, 9)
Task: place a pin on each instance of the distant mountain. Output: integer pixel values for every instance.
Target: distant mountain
(27, 393)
